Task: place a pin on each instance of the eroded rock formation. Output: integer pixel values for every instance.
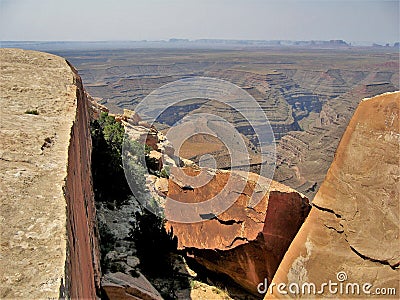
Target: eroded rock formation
(308, 95)
(47, 215)
(47, 220)
(245, 242)
(353, 226)
(248, 240)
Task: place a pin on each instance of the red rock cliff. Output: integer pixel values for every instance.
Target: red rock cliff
(83, 265)
(48, 233)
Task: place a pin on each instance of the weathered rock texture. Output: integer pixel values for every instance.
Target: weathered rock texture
(353, 226)
(244, 242)
(47, 223)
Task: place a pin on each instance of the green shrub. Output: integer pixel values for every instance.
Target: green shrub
(135, 168)
(147, 149)
(109, 182)
(107, 241)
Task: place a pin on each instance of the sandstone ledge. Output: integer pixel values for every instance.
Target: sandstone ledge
(43, 115)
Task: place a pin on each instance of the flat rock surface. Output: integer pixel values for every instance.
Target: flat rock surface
(354, 224)
(33, 160)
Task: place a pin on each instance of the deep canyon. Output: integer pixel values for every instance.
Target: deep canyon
(331, 207)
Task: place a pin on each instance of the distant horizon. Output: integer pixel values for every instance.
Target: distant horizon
(188, 40)
(355, 21)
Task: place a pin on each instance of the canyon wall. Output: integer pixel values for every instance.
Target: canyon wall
(82, 264)
(47, 215)
(351, 236)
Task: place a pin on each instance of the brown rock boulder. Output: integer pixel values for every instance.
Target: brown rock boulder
(119, 286)
(161, 185)
(154, 160)
(351, 236)
(142, 134)
(245, 242)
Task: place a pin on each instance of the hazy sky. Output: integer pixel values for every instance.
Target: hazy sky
(87, 20)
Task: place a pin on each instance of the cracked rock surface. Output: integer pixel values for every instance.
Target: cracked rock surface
(247, 241)
(353, 226)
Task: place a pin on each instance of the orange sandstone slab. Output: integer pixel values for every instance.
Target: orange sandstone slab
(246, 242)
(351, 235)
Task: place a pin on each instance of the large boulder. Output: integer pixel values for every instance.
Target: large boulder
(248, 240)
(351, 236)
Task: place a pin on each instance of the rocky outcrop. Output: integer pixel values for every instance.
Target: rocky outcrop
(47, 220)
(248, 240)
(352, 232)
(119, 286)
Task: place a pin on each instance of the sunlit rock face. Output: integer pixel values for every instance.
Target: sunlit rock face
(246, 242)
(353, 226)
